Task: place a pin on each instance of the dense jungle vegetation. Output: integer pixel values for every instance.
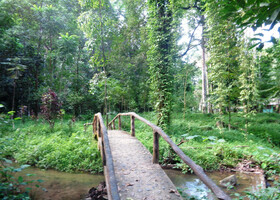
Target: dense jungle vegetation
(206, 71)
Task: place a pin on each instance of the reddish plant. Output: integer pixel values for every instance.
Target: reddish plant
(50, 107)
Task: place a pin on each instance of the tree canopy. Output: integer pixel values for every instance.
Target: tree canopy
(112, 56)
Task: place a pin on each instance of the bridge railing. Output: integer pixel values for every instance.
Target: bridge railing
(157, 131)
(100, 132)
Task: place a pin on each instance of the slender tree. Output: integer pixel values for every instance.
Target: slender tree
(248, 84)
(161, 56)
(224, 71)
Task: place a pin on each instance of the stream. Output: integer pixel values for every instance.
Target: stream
(70, 186)
(192, 186)
(60, 185)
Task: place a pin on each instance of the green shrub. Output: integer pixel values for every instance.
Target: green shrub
(62, 149)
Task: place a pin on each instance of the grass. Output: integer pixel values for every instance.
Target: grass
(214, 148)
(66, 148)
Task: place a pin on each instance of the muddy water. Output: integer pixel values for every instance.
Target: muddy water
(60, 185)
(67, 186)
(192, 186)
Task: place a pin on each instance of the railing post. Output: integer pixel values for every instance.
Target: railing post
(132, 126)
(156, 148)
(114, 127)
(120, 123)
(94, 126)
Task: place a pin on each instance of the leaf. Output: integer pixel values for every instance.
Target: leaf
(253, 39)
(40, 181)
(264, 165)
(11, 112)
(253, 46)
(273, 40)
(212, 138)
(259, 34)
(260, 47)
(192, 137)
(24, 166)
(1, 106)
(20, 179)
(8, 161)
(30, 174)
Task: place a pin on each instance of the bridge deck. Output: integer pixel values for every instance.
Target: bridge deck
(138, 178)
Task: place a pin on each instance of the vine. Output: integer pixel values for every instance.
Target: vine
(161, 33)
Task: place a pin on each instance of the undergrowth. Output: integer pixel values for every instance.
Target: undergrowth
(213, 147)
(65, 148)
(68, 148)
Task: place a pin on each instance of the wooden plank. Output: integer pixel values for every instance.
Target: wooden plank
(137, 176)
(114, 194)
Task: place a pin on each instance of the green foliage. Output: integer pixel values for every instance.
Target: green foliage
(50, 107)
(213, 148)
(66, 148)
(161, 57)
(12, 187)
(270, 193)
(223, 64)
(253, 13)
(248, 84)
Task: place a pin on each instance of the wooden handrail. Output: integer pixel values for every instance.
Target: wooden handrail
(100, 131)
(158, 131)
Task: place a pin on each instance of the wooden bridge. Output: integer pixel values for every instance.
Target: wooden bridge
(131, 172)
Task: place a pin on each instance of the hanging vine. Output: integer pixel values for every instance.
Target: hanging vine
(161, 28)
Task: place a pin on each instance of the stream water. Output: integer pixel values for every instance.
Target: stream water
(60, 185)
(192, 186)
(68, 186)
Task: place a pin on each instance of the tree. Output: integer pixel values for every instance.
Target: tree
(254, 14)
(98, 23)
(224, 71)
(196, 9)
(161, 56)
(248, 83)
(129, 57)
(50, 107)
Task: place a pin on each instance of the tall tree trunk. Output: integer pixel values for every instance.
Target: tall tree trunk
(210, 106)
(77, 106)
(185, 94)
(161, 42)
(14, 95)
(104, 63)
(204, 70)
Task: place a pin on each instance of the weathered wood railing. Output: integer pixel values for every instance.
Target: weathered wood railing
(100, 131)
(157, 131)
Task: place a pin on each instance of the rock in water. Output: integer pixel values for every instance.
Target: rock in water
(229, 181)
(98, 193)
